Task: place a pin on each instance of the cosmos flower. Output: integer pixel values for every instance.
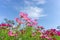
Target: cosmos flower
(39, 26)
(34, 22)
(18, 21)
(22, 15)
(28, 24)
(58, 33)
(10, 33)
(4, 24)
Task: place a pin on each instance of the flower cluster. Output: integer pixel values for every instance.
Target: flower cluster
(5, 25)
(31, 29)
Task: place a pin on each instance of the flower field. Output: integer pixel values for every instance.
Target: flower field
(10, 30)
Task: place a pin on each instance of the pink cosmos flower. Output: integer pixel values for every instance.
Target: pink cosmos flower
(50, 39)
(19, 21)
(46, 36)
(42, 36)
(22, 15)
(10, 33)
(58, 33)
(34, 23)
(28, 24)
(26, 18)
(29, 20)
(0, 25)
(40, 27)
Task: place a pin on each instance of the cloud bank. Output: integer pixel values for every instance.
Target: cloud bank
(34, 12)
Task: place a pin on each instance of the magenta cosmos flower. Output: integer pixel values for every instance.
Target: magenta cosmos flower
(58, 33)
(4, 24)
(10, 33)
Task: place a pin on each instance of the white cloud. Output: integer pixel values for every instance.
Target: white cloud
(40, 1)
(34, 12)
(34, 2)
(31, 10)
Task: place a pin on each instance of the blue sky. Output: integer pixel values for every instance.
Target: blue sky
(47, 12)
